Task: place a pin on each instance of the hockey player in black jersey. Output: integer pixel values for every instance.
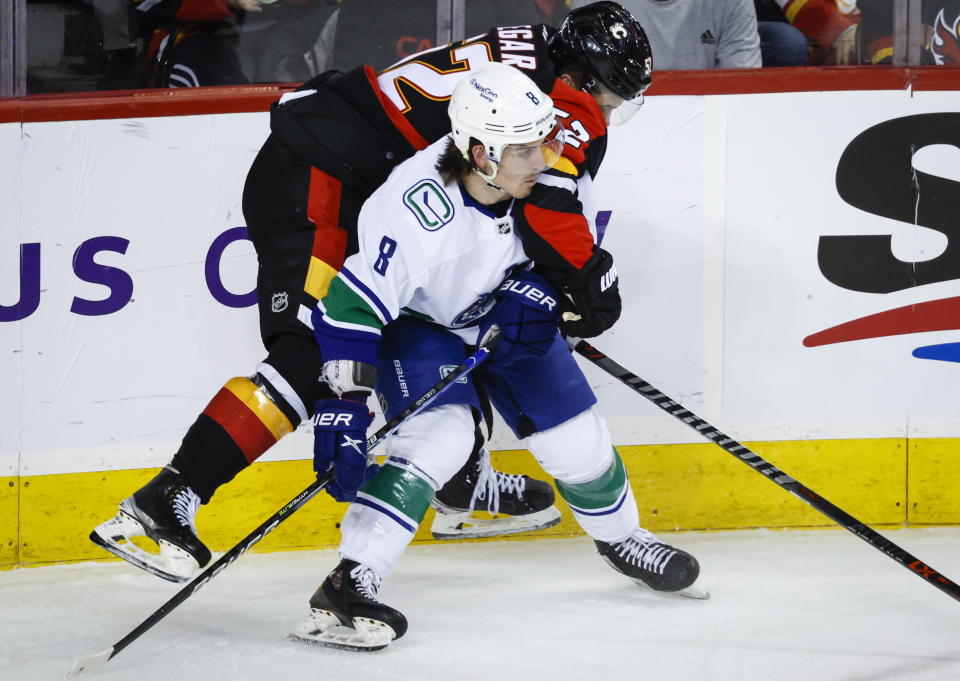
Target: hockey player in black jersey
(332, 143)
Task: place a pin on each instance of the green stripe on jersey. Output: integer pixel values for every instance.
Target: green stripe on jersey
(408, 493)
(599, 493)
(343, 304)
(418, 315)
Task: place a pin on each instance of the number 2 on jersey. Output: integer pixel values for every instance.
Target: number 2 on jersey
(429, 80)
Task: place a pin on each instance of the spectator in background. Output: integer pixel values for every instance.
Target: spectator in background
(832, 35)
(941, 19)
(289, 42)
(780, 43)
(202, 51)
(179, 43)
(698, 34)
(378, 33)
(192, 43)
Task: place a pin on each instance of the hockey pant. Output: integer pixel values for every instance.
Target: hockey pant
(567, 436)
(302, 224)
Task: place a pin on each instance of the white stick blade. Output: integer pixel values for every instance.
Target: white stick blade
(89, 663)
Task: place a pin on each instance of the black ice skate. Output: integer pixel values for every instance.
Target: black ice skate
(648, 561)
(518, 503)
(346, 613)
(162, 510)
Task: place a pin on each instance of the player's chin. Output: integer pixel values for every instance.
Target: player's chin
(523, 190)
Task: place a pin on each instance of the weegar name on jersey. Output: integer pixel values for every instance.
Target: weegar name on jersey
(515, 39)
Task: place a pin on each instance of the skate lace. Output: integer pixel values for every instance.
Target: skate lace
(185, 505)
(491, 483)
(643, 549)
(367, 581)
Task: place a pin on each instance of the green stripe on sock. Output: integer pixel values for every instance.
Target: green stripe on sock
(599, 493)
(408, 493)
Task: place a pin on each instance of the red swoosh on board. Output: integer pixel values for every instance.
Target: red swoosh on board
(933, 315)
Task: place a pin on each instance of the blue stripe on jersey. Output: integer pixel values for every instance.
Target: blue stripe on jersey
(471, 202)
(347, 274)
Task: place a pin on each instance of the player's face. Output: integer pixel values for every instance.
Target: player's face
(521, 164)
(616, 110)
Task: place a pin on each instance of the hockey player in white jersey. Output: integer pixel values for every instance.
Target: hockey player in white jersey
(440, 265)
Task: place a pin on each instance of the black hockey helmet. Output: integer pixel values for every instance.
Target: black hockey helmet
(609, 43)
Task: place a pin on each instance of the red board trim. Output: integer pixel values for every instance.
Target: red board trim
(77, 106)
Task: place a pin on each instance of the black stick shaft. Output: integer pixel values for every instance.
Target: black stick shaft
(767, 469)
(316, 486)
(221, 563)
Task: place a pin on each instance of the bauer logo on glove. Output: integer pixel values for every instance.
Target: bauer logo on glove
(526, 312)
(527, 290)
(332, 419)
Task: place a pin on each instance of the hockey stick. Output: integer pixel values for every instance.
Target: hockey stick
(767, 469)
(89, 663)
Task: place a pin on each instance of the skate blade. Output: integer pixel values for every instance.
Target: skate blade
(465, 525)
(694, 591)
(324, 629)
(116, 536)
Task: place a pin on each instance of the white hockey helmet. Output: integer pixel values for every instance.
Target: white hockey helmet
(499, 106)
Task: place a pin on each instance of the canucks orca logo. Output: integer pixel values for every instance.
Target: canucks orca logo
(474, 312)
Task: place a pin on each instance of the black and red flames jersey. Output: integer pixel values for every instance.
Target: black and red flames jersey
(357, 126)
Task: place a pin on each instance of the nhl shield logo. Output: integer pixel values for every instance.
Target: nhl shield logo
(279, 301)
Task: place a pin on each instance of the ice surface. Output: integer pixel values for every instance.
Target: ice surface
(785, 606)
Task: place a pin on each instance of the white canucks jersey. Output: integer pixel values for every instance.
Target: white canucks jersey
(426, 250)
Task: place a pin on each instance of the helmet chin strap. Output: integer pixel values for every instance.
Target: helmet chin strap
(489, 178)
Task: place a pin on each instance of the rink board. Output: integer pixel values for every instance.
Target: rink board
(677, 487)
(131, 304)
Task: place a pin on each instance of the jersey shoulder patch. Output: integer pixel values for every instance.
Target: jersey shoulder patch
(429, 203)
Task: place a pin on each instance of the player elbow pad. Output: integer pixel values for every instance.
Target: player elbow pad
(347, 377)
(591, 297)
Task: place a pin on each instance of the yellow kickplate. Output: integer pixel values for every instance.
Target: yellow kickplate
(9, 520)
(46, 519)
(701, 486)
(933, 480)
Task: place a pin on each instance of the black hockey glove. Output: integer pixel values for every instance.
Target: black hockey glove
(591, 300)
